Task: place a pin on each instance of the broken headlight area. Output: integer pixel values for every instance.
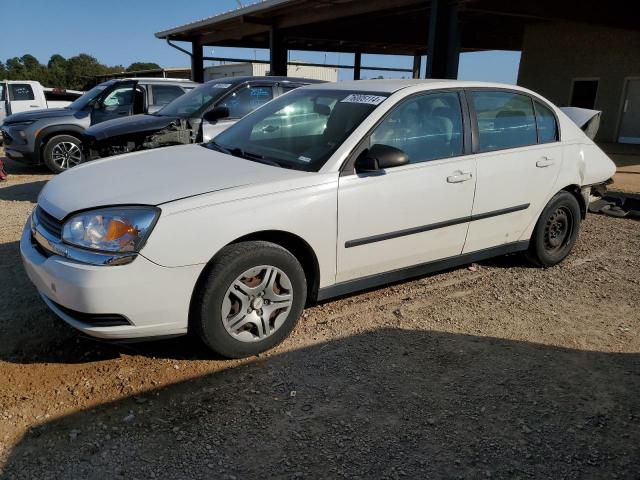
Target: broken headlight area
(179, 132)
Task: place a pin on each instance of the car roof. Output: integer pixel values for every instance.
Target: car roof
(392, 86)
(237, 80)
(149, 79)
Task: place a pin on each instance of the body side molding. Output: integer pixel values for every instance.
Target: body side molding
(393, 276)
(425, 228)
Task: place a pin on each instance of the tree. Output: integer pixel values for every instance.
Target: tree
(74, 73)
(57, 71)
(138, 66)
(81, 68)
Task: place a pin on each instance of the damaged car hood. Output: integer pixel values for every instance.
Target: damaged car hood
(129, 125)
(152, 178)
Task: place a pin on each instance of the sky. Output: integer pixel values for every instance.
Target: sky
(122, 32)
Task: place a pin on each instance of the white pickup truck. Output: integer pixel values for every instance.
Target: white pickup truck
(23, 95)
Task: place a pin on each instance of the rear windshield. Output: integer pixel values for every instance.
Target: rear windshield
(195, 102)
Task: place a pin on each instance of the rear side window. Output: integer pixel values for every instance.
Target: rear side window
(20, 91)
(505, 120)
(2, 93)
(546, 121)
(165, 94)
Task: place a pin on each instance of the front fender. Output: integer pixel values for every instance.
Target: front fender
(192, 231)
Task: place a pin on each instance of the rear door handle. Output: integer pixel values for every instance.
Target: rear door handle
(459, 177)
(545, 162)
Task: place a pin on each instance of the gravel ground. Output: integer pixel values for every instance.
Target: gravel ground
(500, 371)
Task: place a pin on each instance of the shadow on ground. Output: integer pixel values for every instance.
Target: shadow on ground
(16, 168)
(24, 192)
(386, 404)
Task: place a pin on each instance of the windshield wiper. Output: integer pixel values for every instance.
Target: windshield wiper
(254, 157)
(218, 147)
(238, 152)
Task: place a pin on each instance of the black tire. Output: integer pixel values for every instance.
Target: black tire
(234, 260)
(51, 154)
(556, 231)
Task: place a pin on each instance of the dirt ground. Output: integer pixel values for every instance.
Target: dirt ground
(501, 371)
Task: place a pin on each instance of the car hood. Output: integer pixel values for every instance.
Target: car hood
(38, 115)
(128, 125)
(153, 177)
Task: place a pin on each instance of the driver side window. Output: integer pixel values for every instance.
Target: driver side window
(426, 127)
(120, 97)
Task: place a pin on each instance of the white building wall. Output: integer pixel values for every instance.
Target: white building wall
(261, 69)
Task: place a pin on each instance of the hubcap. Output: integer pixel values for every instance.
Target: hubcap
(66, 155)
(558, 230)
(257, 303)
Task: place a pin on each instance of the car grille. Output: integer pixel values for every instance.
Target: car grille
(49, 223)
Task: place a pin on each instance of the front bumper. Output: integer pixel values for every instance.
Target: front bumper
(16, 148)
(153, 300)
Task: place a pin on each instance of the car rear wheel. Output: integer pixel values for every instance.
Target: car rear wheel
(556, 231)
(250, 299)
(62, 152)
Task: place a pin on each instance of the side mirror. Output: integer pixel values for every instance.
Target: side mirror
(381, 157)
(216, 114)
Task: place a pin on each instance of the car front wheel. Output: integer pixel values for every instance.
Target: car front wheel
(62, 152)
(556, 231)
(249, 300)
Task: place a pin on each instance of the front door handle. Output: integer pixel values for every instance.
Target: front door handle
(545, 162)
(459, 177)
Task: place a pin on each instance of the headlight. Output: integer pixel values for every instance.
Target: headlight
(114, 229)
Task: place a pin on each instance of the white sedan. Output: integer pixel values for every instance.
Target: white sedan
(327, 190)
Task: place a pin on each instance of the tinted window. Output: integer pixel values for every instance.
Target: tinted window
(20, 91)
(546, 121)
(505, 120)
(164, 94)
(426, 127)
(2, 93)
(195, 102)
(246, 100)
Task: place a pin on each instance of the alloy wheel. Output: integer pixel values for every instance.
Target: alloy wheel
(66, 155)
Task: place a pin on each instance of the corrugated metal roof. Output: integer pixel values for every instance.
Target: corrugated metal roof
(238, 12)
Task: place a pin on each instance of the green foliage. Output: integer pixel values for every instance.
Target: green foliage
(138, 66)
(72, 73)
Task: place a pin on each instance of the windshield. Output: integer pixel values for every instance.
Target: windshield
(84, 100)
(299, 130)
(195, 102)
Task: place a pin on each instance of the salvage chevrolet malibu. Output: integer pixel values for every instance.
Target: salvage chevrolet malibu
(329, 189)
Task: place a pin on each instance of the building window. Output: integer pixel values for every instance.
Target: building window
(583, 94)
